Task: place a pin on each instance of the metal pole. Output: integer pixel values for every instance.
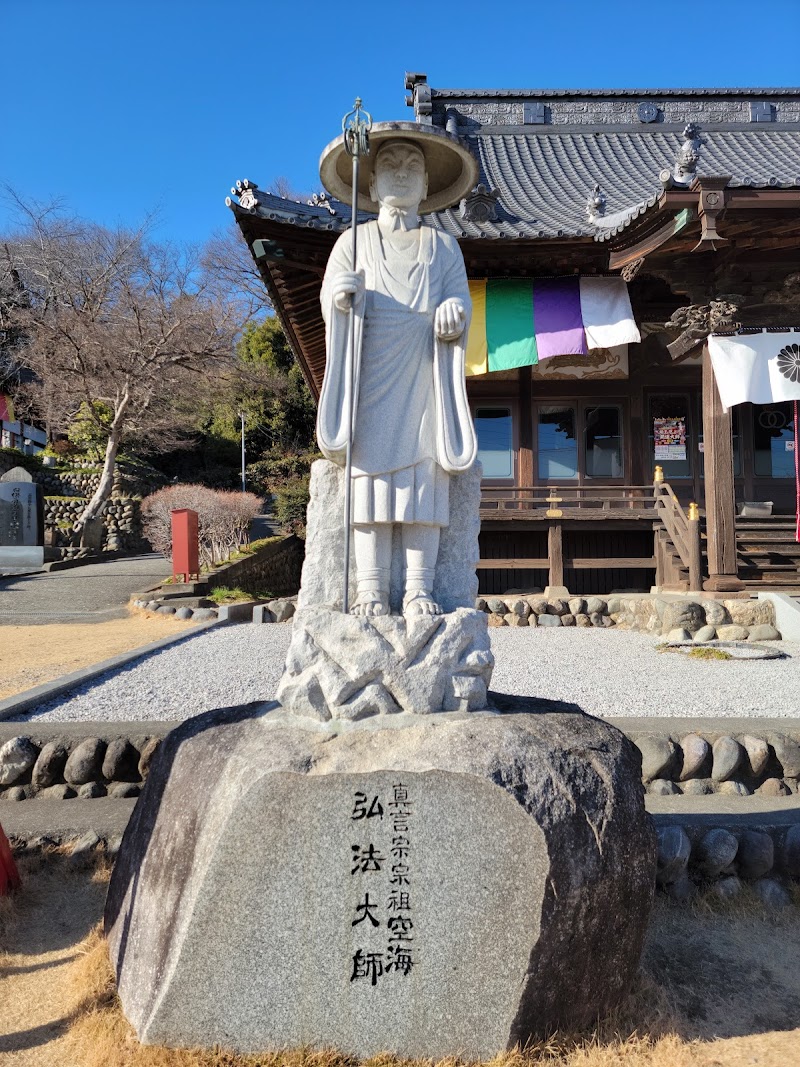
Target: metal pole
(244, 480)
(356, 140)
(350, 369)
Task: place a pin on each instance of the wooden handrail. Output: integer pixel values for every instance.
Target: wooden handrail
(683, 531)
(608, 497)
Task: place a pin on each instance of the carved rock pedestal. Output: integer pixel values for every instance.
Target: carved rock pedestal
(344, 667)
(449, 888)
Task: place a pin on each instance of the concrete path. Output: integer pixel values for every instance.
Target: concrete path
(265, 525)
(67, 818)
(90, 593)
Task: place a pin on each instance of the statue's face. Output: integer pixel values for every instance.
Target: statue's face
(399, 178)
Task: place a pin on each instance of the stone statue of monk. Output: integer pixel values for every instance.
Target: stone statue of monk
(412, 424)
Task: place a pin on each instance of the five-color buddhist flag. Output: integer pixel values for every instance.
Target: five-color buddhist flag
(6, 408)
(517, 322)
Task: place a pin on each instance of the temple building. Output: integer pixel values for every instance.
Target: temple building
(618, 467)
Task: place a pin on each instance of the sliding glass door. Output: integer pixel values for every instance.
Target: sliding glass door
(579, 441)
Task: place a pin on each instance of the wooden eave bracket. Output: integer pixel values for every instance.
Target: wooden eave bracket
(712, 198)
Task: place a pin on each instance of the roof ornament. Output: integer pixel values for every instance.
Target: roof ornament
(246, 191)
(596, 204)
(420, 96)
(321, 200)
(480, 205)
(685, 167)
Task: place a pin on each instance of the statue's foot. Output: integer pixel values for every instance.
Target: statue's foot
(418, 602)
(371, 602)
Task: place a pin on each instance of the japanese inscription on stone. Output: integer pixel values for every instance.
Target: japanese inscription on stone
(21, 523)
(382, 873)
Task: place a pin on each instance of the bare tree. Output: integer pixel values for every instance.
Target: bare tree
(117, 328)
(227, 258)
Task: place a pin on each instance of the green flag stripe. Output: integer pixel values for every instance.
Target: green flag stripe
(510, 335)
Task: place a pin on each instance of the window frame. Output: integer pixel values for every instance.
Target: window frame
(512, 407)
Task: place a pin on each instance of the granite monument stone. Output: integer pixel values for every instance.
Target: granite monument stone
(21, 522)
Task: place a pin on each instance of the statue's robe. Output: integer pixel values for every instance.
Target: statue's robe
(412, 424)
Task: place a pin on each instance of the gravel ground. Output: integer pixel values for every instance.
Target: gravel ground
(609, 673)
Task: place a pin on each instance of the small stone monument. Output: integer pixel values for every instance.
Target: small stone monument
(389, 858)
(21, 523)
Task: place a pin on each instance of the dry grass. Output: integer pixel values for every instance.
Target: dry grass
(697, 653)
(720, 987)
(32, 655)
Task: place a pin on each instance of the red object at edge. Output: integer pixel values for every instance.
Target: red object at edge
(797, 472)
(185, 544)
(9, 875)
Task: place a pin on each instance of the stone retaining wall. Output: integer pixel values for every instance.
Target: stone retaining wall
(10, 458)
(122, 529)
(275, 569)
(83, 480)
(677, 619)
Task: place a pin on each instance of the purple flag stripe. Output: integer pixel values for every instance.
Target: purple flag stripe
(557, 317)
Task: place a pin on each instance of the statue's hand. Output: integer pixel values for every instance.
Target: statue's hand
(347, 285)
(449, 320)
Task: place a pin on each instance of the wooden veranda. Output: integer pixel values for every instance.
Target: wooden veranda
(576, 529)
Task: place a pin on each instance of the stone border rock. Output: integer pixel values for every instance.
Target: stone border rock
(732, 765)
(726, 859)
(678, 618)
(281, 609)
(201, 612)
(764, 763)
(86, 768)
(787, 614)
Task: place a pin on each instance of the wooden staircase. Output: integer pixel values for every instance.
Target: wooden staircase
(768, 556)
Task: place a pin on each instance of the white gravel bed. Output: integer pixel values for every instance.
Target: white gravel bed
(610, 673)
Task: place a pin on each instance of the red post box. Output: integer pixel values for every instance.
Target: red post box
(185, 547)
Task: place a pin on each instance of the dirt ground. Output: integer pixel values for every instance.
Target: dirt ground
(719, 987)
(32, 655)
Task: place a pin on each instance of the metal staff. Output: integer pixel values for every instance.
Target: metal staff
(356, 126)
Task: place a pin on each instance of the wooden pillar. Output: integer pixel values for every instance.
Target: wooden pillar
(525, 464)
(641, 465)
(555, 552)
(719, 492)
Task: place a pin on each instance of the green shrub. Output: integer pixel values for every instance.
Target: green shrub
(88, 432)
(32, 464)
(290, 504)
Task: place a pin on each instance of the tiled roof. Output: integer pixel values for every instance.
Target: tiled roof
(543, 181)
(543, 174)
(595, 93)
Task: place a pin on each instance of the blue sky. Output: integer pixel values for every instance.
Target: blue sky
(124, 107)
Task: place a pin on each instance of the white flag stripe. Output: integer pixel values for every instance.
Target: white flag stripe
(606, 313)
(756, 367)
